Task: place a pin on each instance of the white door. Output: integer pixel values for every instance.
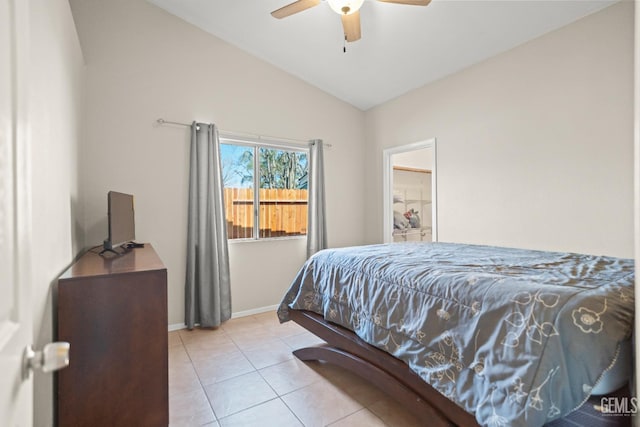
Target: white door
(16, 401)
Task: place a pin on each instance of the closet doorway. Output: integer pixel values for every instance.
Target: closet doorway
(410, 212)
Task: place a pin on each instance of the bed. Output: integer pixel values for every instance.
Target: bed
(468, 334)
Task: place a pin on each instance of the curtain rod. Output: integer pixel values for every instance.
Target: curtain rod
(298, 141)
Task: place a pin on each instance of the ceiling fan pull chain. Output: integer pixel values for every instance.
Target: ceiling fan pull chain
(344, 44)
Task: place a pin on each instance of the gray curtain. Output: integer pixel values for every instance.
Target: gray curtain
(317, 223)
(207, 286)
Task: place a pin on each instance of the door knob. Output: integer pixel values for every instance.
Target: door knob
(53, 356)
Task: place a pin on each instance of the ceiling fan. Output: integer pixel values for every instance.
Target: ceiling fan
(349, 10)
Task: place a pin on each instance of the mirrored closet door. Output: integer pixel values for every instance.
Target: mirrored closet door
(410, 193)
(411, 204)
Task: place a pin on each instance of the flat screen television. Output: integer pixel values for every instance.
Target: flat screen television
(122, 227)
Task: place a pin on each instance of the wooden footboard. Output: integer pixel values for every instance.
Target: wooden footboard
(391, 375)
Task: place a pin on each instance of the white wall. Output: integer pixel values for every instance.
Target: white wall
(143, 64)
(534, 145)
(56, 82)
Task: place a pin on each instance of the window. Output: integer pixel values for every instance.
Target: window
(281, 181)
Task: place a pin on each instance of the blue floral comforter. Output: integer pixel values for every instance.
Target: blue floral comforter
(515, 337)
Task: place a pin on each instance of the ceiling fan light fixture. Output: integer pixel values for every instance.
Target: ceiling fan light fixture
(345, 7)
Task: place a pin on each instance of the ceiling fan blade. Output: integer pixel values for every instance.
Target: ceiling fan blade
(295, 7)
(351, 25)
(411, 2)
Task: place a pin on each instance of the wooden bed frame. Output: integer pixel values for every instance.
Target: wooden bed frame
(391, 375)
(344, 348)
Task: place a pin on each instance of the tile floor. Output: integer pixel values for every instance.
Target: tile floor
(243, 374)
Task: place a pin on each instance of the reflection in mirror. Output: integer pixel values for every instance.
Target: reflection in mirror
(412, 216)
(410, 192)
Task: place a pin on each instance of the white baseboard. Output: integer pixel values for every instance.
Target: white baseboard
(178, 326)
(255, 311)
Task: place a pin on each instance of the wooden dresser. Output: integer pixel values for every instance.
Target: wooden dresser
(113, 312)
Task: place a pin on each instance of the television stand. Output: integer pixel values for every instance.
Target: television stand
(108, 247)
(102, 252)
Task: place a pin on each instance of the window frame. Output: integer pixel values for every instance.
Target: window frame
(256, 144)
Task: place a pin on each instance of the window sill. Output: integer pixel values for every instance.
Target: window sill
(266, 239)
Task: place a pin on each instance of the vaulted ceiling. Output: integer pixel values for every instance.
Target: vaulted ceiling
(402, 47)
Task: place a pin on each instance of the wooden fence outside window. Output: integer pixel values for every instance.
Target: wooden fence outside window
(282, 212)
